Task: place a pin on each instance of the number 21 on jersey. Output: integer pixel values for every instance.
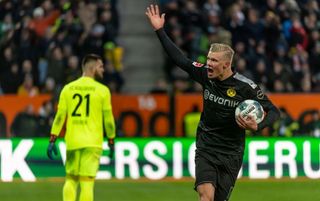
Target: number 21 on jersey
(80, 100)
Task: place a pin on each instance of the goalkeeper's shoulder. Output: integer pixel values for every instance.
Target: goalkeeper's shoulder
(103, 89)
(66, 88)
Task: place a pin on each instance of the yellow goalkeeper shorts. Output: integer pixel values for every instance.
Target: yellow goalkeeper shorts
(83, 162)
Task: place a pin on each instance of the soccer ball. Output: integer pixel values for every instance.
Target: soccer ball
(250, 108)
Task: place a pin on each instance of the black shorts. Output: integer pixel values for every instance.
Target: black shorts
(220, 170)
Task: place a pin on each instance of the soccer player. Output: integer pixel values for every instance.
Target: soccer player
(85, 105)
(220, 137)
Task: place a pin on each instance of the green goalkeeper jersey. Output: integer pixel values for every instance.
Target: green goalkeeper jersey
(85, 105)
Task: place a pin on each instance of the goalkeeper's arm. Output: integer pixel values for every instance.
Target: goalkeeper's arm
(55, 131)
(110, 130)
(109, 125)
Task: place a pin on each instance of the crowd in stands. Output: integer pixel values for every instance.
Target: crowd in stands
(277, 44)
(42, 43)
(276, 41)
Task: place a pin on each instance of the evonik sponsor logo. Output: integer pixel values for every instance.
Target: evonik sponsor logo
(217, 99)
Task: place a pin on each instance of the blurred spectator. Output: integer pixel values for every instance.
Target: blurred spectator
(236, 23)
(27, 88)
(114, 54)
(56, 65)
(281, 75)
(45, 119)
(49, 86)
(272, 32)
(26, 45)
(25, 124)
(260, 31)
(3, 125)
(161, 87)
(254, 26)
(309, 123)
(72, 72)
(182, 85)
(6, 24)
(282, 56)
(190, 14)
(6, 59)
(314, 125)
(110, 32)
(306, 83)
(278, 86)
(11, 79)
(191, 121)
(300, 66)
(28, 68)
(285, 126)
(212, 6)
(42, 19)
(94, 42)
(261, 74)
(242, 51)
(112, 78)
(269, 30)
(41, 36)
(43, 70)
(298, 34)
(241, 67)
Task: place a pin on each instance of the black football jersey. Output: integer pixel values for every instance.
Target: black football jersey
(218, 130)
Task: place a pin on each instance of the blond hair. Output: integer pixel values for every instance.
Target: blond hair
(220, 47)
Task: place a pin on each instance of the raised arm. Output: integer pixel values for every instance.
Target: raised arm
(157, 21)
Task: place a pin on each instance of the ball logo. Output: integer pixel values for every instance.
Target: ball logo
(231, 92)
(248, 110)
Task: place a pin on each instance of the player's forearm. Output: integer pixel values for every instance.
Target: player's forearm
(58, 123)
(173, 51)
(272, 115)
(109, 124)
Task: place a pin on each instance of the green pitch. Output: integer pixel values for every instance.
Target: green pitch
(141, 190)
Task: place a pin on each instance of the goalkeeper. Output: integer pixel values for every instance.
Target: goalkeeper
(85, 106)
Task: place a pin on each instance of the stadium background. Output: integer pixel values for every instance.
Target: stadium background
(155, 104)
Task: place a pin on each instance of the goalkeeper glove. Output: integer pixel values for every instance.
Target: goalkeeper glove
(52, 148)
(111, 147)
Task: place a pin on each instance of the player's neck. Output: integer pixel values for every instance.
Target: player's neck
(86, 74)
(225, 75)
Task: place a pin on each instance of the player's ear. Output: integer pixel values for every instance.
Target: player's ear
(227, 65)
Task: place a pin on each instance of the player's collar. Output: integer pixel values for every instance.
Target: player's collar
(87, 77)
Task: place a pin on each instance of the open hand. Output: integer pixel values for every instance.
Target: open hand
(153, 14)
(248, 123)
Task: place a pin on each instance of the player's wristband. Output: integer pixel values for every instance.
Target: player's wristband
(52, 138)
(111, 141)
